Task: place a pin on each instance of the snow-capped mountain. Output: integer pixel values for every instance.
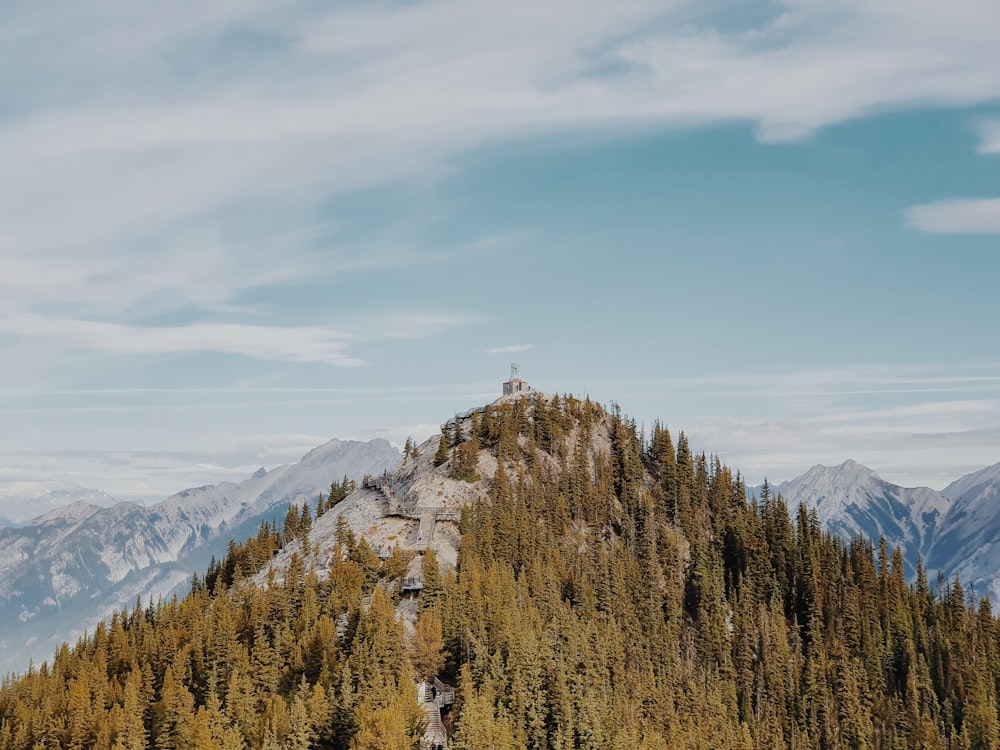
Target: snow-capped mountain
(851, 499)
(18, 509)
(955, 531)
(66, 569)
(969, 544)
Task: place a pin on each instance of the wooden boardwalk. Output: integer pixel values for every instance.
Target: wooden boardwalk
(436, 695)
(432, 699)
(407, 505)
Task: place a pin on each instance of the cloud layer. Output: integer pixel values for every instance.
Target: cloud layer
(963, 216)
(175, 177)
(162, 161)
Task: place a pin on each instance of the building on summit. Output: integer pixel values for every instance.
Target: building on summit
(515, 384)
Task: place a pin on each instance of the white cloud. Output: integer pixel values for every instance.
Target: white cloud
(406, 325)
(277, 343)
(989, 135)
(511, 349)
(810, 386)
(359, 97)
(951, 411)
(150, 169)
(128, 181)
(961, 216)
(291, 344)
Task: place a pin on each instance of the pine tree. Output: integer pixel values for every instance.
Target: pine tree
(433, 588)
(441, 456)
(133, 735)
(427, 646)
(290, 527)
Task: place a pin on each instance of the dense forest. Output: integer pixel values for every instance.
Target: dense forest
(613, 590)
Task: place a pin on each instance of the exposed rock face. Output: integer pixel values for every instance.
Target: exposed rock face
(432, 494)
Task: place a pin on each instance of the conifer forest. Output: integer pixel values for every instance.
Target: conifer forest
(614, 589)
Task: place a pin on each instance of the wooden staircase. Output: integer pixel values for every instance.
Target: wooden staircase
(435, 737)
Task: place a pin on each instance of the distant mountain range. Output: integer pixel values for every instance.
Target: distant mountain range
(17, 510)
(78, 562)
(954, 531)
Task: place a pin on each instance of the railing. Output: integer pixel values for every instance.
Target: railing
(406, 504)
(419, 511)
(441, 694)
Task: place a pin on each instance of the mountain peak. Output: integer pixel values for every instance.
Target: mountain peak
(841, 480)
(851, 499)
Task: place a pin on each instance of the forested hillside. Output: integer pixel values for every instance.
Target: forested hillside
(612, 591)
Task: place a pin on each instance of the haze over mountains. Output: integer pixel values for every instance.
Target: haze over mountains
(954, 531)
(76, 563)
(17, 510)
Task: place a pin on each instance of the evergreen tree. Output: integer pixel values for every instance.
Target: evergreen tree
(442, 451)
(427, 646)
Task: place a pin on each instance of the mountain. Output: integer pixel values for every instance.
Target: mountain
(17, 510)
(67, 568)
(969, 543)
(612, 593)
(955, 531)
(851, 499)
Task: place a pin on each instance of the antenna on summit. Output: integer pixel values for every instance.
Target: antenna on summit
(515, 384)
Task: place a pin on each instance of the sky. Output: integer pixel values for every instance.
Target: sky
(232, 230)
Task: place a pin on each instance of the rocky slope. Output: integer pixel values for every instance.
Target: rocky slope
(433, 496)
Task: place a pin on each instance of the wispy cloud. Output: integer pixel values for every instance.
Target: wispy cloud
(989, 137)
(406, 324)
(950, 411)
(166, 164)
(960, 216)
(510, 349)
(824, 383)
(367, 95)
(302, 344)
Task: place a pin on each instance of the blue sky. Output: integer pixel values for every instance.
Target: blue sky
(232, 230)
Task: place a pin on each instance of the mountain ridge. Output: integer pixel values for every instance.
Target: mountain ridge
(955, 531)
(79, 561)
